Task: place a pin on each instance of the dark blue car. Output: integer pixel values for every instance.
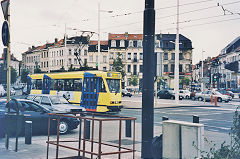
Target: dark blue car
(38, 114)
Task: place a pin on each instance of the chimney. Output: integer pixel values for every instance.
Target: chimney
(56, 40)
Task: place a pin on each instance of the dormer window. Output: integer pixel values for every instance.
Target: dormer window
(122, 43)
(113, 43)
(139, 44)
(130, 43)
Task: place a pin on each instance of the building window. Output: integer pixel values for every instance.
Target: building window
(122, 43)
(180, 56)
(97, 58)
(104, 59)
(172, 67)
(129, 56)
(85, 52)
(75, 51)
(165, 69)
(165, 56)
(139, 44)
(111, 55)
(130, 43)
(69, 61)
(111, 67)
(134, 69)
(129, 68)
(91, 58)
(123, 55)
(85, 61)
(70, 51)
(104, 68)
(113, 43)
(157, 45)
(75, 61)
(47, 63)
(141, 56)
(173, 56)
(180, 68)
(141, 68)
(135, 57)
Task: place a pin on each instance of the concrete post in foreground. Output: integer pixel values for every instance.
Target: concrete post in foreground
(182, 139)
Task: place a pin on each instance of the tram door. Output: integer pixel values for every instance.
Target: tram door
(90, 92)
(46, 85)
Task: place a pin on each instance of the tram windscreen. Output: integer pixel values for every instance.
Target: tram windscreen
(114, 85)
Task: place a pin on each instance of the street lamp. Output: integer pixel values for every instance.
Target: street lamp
(98, 60)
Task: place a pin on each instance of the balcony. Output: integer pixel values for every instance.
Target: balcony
(135, 60)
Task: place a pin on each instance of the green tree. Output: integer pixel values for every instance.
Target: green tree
(71, 68)
(37, 70)
(133, 81)
(118, 65)
(24, 75)
(3, 73)
(185, 81)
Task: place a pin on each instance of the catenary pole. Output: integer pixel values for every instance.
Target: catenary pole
(176, 74)
(148, 79)
(8, 73)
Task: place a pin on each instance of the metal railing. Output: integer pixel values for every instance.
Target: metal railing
(82, 138)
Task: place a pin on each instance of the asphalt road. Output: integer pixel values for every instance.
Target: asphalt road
(217, 119)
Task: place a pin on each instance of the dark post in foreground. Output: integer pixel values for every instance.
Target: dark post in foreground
(148, 78)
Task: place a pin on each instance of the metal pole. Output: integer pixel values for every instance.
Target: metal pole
(98, 60)
(148, 79)
(176, 74)
(8, 73)
(202, 72)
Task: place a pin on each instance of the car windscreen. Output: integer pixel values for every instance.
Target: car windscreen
(2, 105)
(58, 100)
(114, 85)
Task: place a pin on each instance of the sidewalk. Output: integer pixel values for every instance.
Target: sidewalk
(129, 104)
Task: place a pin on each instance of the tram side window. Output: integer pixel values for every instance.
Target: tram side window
(77, 84)
(102, 87)
(60, 85)
(53, 84)
(37, 84)
(68, 85)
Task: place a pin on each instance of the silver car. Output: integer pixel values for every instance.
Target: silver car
(57, 102)
(207, 95)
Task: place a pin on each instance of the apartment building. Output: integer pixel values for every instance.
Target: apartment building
(131, 49)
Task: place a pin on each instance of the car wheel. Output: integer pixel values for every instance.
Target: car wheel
(172, 97)
(226, 101)
(193, 98)
(63, 127)
(187, 97)
(200, 98)
(219, 99)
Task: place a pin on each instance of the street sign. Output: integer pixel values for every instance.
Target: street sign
(205, 80)
(5, 4)
(5, 33)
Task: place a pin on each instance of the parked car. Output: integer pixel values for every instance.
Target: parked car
(126, 93)
(12, 91)
(38, 114)
(229, 93)
(167, 94)
(56, 102)
(207, 95)
(185, 93)
(2, 91)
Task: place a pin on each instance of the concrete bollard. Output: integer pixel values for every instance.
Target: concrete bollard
(128, 128)
(215, 101)
(195, 119)
(28, 132)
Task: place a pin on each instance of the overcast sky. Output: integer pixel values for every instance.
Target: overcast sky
(35, 22)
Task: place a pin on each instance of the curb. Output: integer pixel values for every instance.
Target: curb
(181, 106)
